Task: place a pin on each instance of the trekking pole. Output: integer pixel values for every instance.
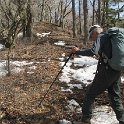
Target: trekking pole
(55, 78)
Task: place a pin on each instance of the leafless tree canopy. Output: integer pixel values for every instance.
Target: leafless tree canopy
(19, 15)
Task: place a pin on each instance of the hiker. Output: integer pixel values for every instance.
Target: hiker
(106, 78)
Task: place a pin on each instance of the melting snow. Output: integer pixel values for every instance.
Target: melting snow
(60, 43)
(43, 34)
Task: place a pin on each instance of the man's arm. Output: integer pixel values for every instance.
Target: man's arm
(86, 52)
(89, 52)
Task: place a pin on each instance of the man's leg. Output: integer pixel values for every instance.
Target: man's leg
(114, 93)
(93, 91)
(104, 78)
(99, 84)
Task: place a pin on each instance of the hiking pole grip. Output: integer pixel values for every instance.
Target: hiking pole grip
(55, 78)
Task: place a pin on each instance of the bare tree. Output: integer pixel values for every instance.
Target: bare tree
(99, 12)
(85, 8)
(28, 20)
(80, 24)
(74, 18)
(63, 11)
(93, 18)
(11, 26)
(104, 13)
(42, 9)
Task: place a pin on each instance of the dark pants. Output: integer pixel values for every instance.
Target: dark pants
(105, 79)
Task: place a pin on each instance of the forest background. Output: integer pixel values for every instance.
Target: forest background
(75, 15)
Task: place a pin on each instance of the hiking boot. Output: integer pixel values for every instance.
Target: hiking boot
(83, 122)
(86, 120)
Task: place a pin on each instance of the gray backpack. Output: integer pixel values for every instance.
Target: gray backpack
(116, 36)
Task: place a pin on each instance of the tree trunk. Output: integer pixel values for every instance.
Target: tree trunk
(93, 18)
(80, 28)
(99, 12)
(107, 21)
(56, 17)
(85, 21)
(118, 11)
(8, 63)
(61, 14)
(103, 19)
(29, 20)
(74, 18)
(42, 11)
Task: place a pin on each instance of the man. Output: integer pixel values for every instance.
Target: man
(105, 78)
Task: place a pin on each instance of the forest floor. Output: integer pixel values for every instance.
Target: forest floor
(21, 94)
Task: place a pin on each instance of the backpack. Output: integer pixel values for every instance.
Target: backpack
(116, 37)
